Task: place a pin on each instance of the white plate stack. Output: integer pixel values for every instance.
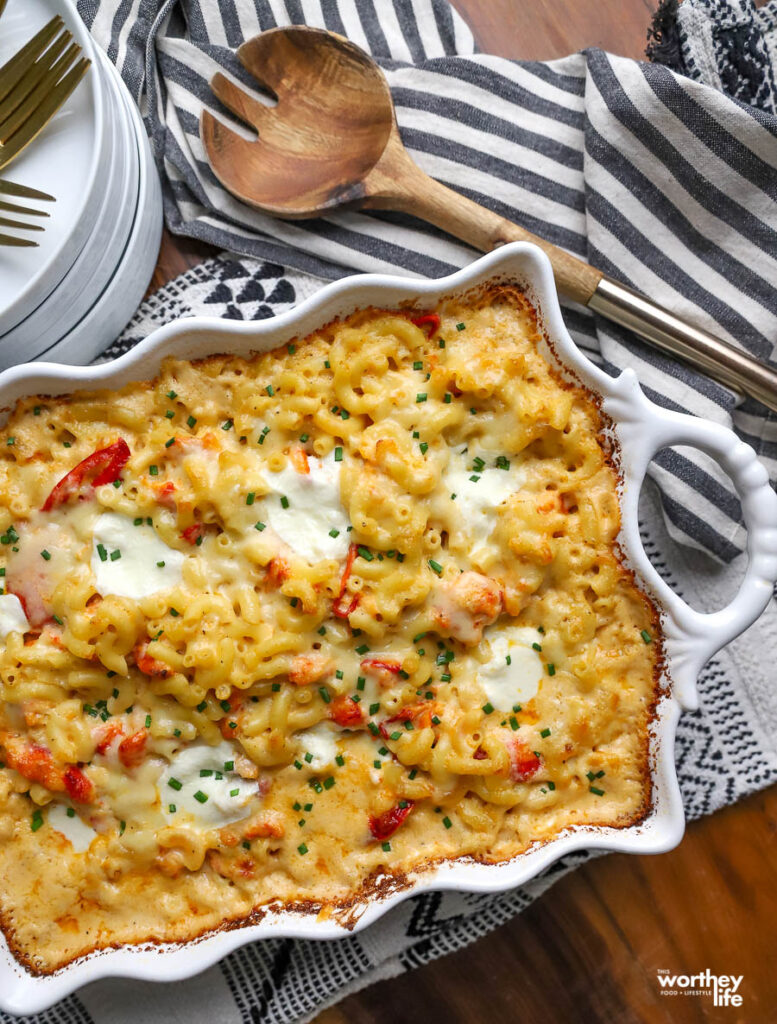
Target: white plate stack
(67, 300)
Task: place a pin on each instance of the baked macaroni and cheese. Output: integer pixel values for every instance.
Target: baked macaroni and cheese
(278, 629)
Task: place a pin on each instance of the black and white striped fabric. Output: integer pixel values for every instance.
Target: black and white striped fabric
(662, 182)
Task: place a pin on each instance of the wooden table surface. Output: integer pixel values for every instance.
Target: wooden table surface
(588, 951)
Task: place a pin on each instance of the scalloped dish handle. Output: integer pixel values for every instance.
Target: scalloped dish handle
(692, 636)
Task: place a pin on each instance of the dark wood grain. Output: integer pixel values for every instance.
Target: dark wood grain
(588, 951)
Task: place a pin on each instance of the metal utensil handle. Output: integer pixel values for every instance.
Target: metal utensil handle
(718, 358)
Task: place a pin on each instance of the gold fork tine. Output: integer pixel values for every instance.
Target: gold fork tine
(10, 188)
(43, 113)
(8, 223)
(19, 64)
(14, 208)
(45, 79)
(34, 75)
(19, 242)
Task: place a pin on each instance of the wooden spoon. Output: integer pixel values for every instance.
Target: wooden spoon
(332, 141)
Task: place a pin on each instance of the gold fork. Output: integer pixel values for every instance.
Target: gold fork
(35, 83)
(10, 188)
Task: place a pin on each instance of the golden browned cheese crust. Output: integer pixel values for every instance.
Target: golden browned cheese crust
(338, 611)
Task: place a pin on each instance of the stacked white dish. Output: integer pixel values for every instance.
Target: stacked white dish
(67, 300)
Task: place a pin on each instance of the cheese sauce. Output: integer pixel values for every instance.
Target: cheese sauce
(305, 512)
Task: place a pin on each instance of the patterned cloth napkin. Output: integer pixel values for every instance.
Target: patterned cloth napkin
(662, 181)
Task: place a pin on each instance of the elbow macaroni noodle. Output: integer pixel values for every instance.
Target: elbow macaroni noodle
(361, 699)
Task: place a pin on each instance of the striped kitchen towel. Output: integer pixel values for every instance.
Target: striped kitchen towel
(661, 181)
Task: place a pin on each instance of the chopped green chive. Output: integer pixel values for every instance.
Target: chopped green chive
(259, 526)
(338, 454)
(334, 533)
(435, 566)
(544, 733)
(460, 327)
(115, 555)
(365, 553)
(596, 791)
(386, 847)
(200, 797)
(340, 760)
(172, 394)
(153, 470)
(324, 694)
(514, 723)
(191, 422)
(421, 396)
(488, 707)
(646, 636)
(447, 821)
(302, 849)
(270, 390)
(37, 819)
(174, 784)
(45, 554)
(424, 447)
(362, 649)
(250, 497)
(551, 670)
(227, 425)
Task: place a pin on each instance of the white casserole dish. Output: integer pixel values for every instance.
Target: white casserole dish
(641, 429)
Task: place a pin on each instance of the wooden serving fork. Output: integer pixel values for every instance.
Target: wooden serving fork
(332, 140)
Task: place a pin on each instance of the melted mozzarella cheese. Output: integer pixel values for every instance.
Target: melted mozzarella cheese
(507, 683)
(12, 617)
(137, 572)
(321, 743)
(479, 494)
(76, 831)
(314, 511)
(229, 797)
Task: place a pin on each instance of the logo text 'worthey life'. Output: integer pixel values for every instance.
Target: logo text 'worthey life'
(722, 987)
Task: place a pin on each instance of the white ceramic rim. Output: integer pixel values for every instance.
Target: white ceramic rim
(103, 251)
(640, 428)
(48, 276)
(122, 294)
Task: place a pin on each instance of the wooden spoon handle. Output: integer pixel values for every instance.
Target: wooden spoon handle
(416, 193)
